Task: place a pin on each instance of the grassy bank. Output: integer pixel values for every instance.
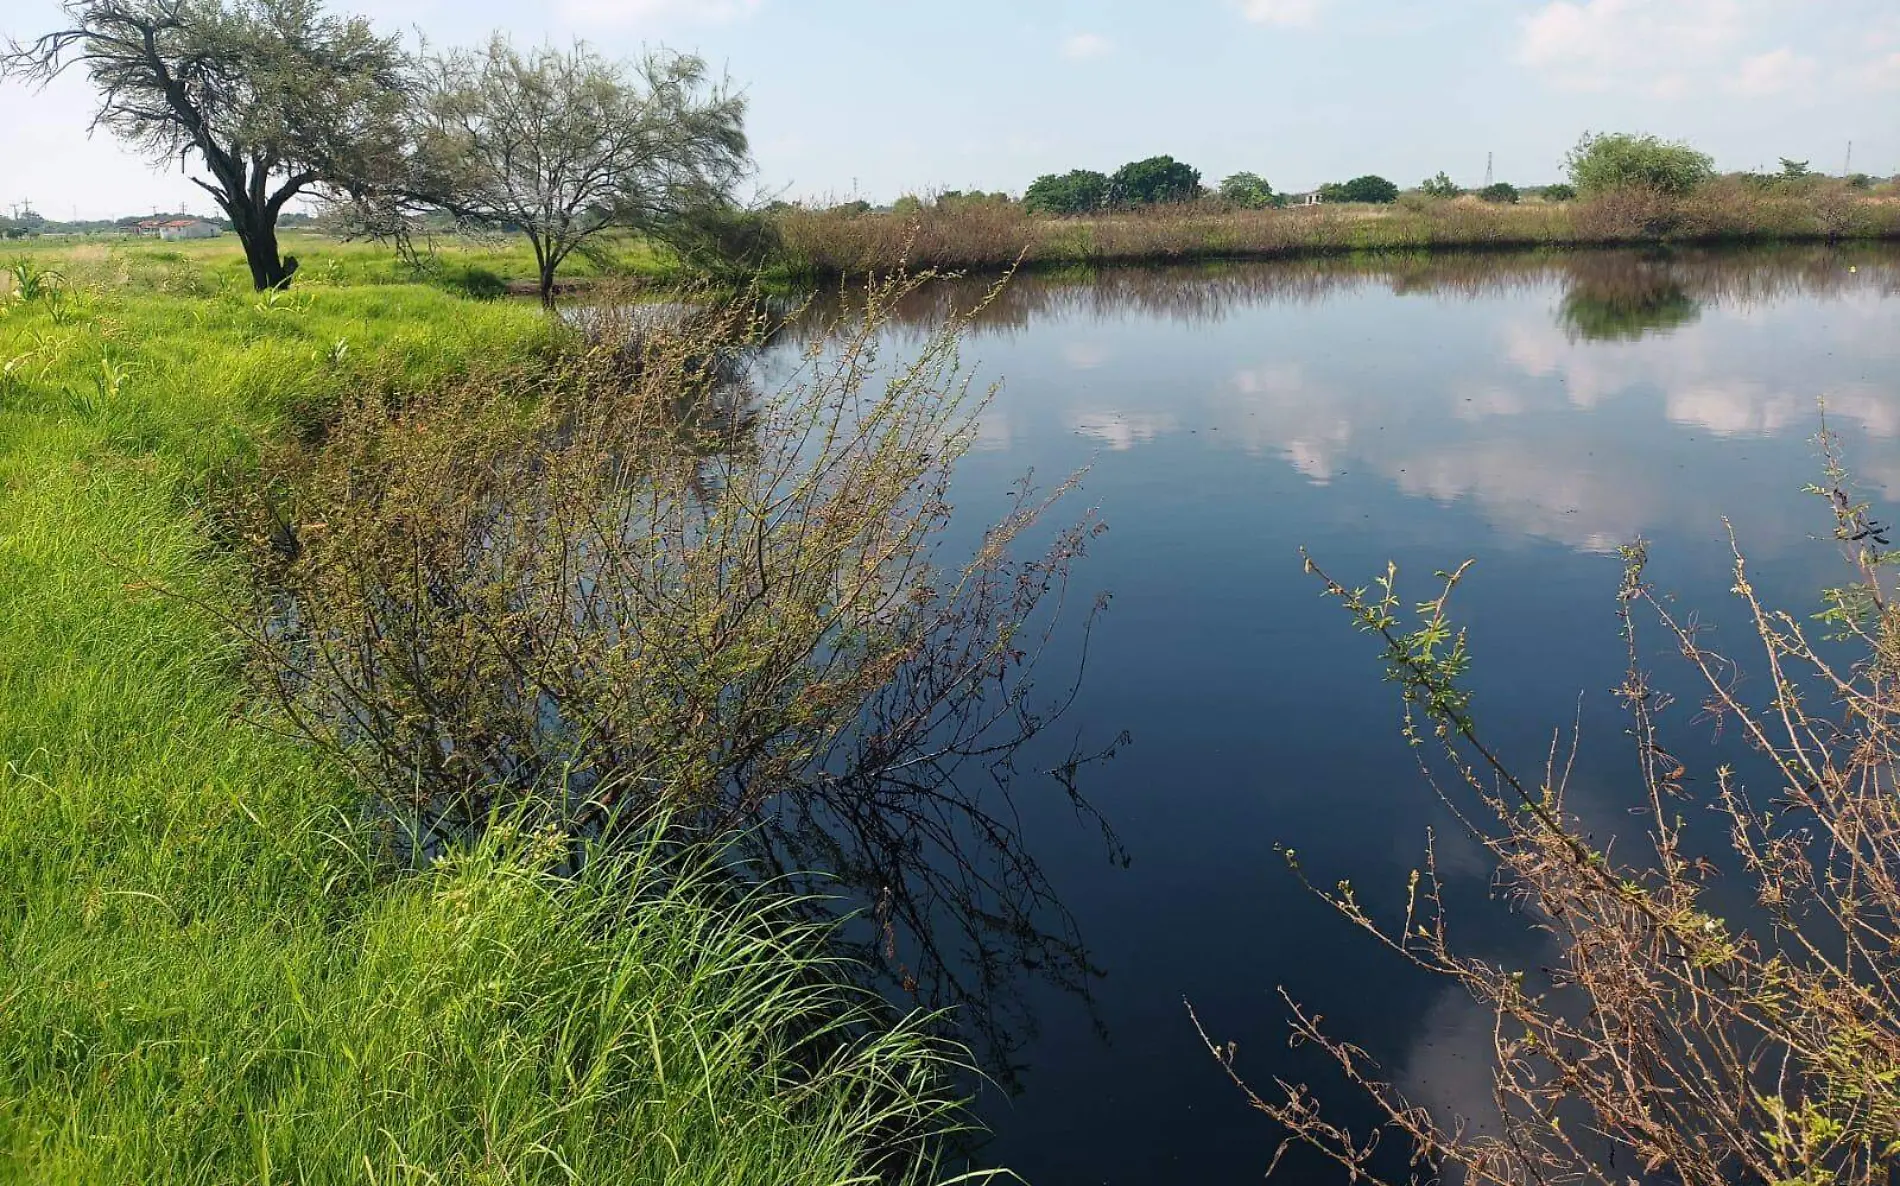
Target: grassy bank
(208, 976)
(989, 236)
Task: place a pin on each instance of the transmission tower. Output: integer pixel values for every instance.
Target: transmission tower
(1847, 170)
(1487, 171)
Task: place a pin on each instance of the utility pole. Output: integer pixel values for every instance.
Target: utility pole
(1487, 170)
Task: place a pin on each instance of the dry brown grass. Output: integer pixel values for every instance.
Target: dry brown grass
(992, 236)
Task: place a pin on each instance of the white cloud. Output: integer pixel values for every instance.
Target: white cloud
(1599, 44)
(631, 12)
(1775, 72)
(1087, 45)
(1883, 73)
(1286, 13)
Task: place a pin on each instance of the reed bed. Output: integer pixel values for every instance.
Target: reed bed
(989, 236)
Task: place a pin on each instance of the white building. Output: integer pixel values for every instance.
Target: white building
(188, 228)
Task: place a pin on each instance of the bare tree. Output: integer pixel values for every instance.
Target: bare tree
(274, 97)
(563, 145)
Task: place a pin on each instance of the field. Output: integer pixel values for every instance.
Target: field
(211, 976)
(469, 267)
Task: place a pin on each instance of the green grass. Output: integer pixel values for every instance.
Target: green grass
(211, 266)
(204, 977)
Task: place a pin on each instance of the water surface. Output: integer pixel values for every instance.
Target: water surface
(1532, 414)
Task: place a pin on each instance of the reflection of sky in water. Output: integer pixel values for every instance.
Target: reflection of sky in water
(1533, 415)
(1489, 401)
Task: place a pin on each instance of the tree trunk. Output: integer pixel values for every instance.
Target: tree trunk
(257, 230)
(547, 284)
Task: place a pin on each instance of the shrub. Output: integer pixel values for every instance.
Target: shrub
(1603, 162)
(1370, 188)
(1154, 181)
(437, 550)
(1440, 186)
(1713, 1009)
(1249, 191)
(483, 284)
(1559, 192)
(1632, 212)
(725, 241)
(1078, 191)
(1502, 192)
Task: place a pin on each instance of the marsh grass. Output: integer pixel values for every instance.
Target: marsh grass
(208, 973)
(994, 236)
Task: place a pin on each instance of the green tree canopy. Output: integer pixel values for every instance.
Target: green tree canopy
(1078, 191)
(1502, 192)
(1795, 170)
(272, 97)
(563, 144)
(1153, 181)
(1249, 191)
(1602, 162)
(1559, 192)
(1370, 188)
(1440, 186)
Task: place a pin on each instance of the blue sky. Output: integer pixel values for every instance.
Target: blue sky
(884, 98)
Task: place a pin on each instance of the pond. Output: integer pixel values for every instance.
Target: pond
(1532, 414)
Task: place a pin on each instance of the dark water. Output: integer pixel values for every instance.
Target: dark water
(1530, 414)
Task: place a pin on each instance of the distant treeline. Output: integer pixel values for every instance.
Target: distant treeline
(25, 224)
(1598, 163)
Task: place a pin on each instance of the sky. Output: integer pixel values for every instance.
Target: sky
(877, 98)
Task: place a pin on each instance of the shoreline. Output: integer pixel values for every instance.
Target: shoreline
(806, 278)
(821, 247)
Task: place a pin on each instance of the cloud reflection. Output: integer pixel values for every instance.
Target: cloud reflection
(1122, 431)
(1581, 399)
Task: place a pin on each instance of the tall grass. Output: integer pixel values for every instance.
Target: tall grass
(210, 267)
(206, 976)
(990, 236)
